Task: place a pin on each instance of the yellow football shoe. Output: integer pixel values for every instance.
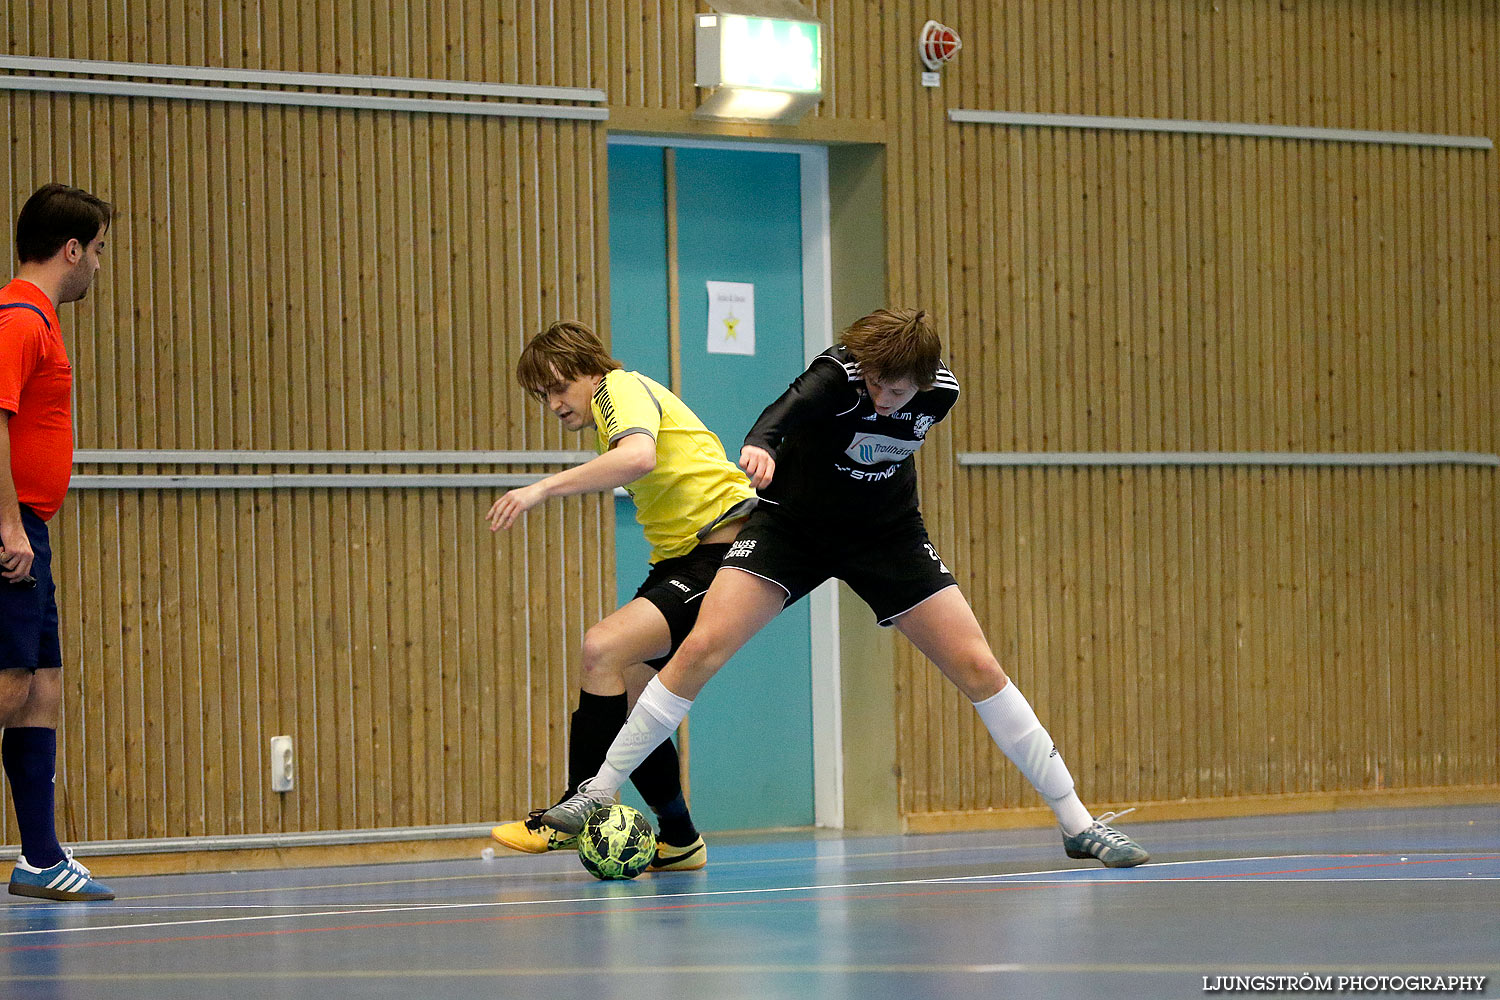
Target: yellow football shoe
(679, 859)
(533, 836)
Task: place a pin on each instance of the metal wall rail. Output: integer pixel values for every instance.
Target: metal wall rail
(300, 99)
(272, 78)
(263, 841)
(303, 98)
(308, 480)
(176, 456)
(1250, 129)
(1227, 458)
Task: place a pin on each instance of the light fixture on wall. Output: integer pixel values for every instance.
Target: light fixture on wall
(760, 69)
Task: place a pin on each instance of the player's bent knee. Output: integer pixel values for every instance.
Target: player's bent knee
(600, 656)
(594, 648)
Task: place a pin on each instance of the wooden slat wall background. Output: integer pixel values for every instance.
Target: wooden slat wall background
(286, 278)
(1209, 634)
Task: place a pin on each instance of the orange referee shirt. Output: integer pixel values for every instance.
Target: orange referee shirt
(36, 387)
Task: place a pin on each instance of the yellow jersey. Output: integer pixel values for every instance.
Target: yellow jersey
(693, 484)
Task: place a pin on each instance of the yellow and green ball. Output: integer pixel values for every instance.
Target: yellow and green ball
(616, 842)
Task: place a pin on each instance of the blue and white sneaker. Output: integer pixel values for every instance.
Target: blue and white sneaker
(1106, 843)
(67, 880)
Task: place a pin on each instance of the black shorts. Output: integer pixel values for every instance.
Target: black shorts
(893, 568)
(28, 611)
(676, 588)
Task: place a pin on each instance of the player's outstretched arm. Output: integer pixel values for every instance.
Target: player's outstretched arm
(629, 459)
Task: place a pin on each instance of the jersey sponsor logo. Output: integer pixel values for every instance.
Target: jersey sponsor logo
(739, 550)
(921, 424)
(863, 476)
(872, 449)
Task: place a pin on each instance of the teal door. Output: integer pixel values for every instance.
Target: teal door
(738, 219)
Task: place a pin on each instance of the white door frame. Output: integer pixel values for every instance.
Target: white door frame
(817, 337)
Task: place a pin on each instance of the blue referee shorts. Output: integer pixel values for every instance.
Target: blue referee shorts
(28, 611)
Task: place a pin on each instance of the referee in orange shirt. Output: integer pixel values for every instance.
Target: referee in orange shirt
(59, 237)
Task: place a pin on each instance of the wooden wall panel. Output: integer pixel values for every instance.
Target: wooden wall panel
(404, 739)
(285, 278)
(317, 279)
(1286, 658)
(1206, 634)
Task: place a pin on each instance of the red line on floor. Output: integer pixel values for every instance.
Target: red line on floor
(700, 905)
(502, 917)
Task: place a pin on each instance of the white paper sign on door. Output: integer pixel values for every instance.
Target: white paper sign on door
(731, 317)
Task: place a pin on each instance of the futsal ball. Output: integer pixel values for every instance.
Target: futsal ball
(616, 842)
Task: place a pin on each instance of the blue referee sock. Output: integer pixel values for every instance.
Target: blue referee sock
(30, 757)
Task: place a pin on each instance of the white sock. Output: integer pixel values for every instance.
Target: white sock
(656, 716)
(1020, 736)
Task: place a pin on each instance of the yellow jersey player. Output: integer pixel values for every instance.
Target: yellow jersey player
(690, 500)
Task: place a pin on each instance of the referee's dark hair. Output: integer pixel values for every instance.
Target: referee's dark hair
(896, 344)
(564, 351)
(56, 214)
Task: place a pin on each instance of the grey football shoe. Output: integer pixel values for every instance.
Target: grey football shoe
(571, 813)
(1106, 844)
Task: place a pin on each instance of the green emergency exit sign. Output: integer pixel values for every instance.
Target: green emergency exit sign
(760, 53)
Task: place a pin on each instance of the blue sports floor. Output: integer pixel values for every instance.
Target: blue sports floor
(1368, 894)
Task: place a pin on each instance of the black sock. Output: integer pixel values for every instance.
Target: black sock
(594, 727)
(30, 757)
(659, 780)
(676, 824)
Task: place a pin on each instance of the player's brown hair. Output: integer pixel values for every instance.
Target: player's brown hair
(896, 344)
(565, 350)
(55, 214)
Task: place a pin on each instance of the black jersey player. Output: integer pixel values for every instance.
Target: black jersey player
(832, 459)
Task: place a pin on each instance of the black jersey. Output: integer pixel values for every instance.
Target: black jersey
(835, 456)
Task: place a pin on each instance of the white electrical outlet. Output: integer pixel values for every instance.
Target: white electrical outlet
(282, 769)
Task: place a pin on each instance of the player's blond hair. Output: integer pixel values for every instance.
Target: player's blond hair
(896, 344)
(564, 351)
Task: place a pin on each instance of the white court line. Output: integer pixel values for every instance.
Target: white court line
(125, 907)
(496, 904)
(1091, 875)
(815, 859)
(1245, 879)
(1158, 865)
(1023, 878)
(719, 865)
(356, 908)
